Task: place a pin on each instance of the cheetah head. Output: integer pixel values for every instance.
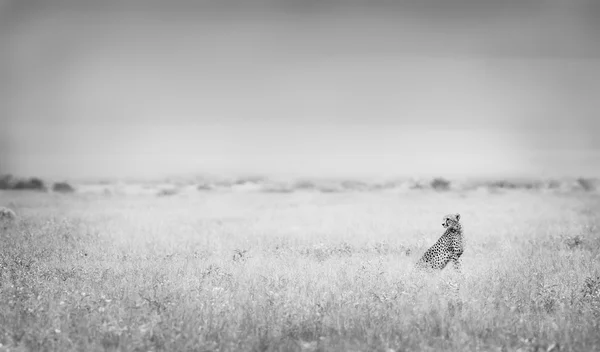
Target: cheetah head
(451, 220)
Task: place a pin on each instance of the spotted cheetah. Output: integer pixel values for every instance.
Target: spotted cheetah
(449, 247)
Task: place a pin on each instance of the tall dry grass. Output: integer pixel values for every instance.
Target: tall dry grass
(298, 271)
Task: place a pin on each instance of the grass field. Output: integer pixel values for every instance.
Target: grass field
(246, 271)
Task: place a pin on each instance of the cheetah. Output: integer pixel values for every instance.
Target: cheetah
(449, 247)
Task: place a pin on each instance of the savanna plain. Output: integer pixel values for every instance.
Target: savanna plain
(298, 271)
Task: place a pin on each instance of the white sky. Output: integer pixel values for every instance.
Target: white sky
(96, 92)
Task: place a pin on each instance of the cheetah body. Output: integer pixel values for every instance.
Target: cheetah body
(448, 248)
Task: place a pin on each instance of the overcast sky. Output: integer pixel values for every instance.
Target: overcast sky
(320, 88)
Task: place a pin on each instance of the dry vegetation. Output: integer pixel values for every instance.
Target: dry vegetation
(304, 270)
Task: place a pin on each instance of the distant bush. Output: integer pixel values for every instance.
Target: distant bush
(440, 184)
(586, 184)
(225, 183)
(354, 185)
(62, 187)
(502, 184)
(205, 187)
(329, 188)
(304, 184)
(34, 184)
(6, 182)
(416, 184)
(277, 188)
(249, 179)
(529, 184)
(376, 186)
(387, 185)
(516, 184)
(167, 192)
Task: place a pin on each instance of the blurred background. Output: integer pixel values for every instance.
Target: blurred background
(300, 87)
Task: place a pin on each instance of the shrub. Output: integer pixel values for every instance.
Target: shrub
(354, 185)
(573, 242)
(416, 184)
(552, 184)
(224, 183)
(390, 184)
(304, 184)
(240, 256)
(529, 185)
(591, 287)
(205, 187)
(440, 184)
(586, 184)
(502, 184)
(329, 188)
(167, 192)
(249, 179)
(516, 184)
(62, 187)
(33, 183)
(6, 182)
(277, 188)
(590, 295)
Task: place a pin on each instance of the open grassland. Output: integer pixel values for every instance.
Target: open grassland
(298, 271)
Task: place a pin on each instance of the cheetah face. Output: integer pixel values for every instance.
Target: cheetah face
(450, 220)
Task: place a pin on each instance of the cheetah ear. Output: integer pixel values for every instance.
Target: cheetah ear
(457, 216)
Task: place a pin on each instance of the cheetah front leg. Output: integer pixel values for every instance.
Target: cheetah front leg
(456, 279)
(457, 264)
(458, 270)
(457, 252)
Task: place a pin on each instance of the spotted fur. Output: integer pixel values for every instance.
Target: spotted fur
(449, 247)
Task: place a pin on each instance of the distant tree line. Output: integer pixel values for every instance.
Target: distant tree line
(9, 182)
